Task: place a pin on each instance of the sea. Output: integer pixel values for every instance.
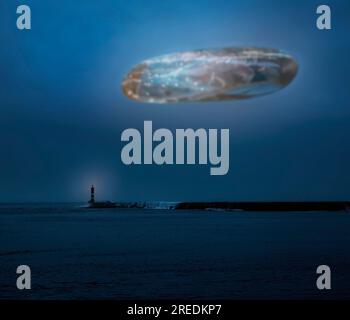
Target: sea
(79, 253)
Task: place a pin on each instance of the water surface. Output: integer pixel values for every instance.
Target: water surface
(81, 253)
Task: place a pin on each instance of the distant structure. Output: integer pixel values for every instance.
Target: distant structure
(92, 195)
(99, 205)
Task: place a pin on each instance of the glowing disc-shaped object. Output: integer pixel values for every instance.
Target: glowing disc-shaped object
(210, 75)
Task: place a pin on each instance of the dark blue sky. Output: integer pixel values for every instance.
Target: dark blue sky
(62, 110)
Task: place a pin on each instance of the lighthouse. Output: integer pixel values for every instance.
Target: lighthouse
(92, 195)
(99, 204)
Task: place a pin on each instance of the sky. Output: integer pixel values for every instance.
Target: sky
(63, 111)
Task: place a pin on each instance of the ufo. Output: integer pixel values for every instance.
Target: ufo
(210, 75)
